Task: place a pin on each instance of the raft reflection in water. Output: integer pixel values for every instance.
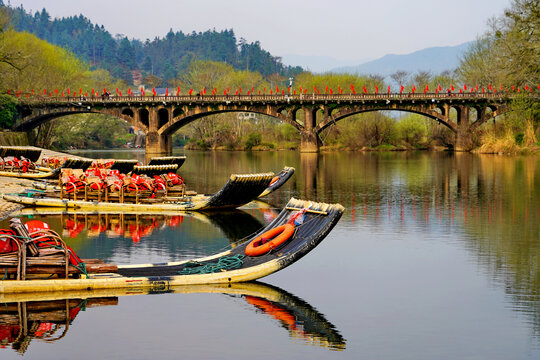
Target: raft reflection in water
(48, 316)
(136, 226)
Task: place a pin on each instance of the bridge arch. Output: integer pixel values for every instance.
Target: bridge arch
(163, 117)
(184, 117)
(432, 114)
(32, 121)
(144, 117)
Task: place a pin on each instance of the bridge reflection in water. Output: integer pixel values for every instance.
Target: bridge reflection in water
(47, 317)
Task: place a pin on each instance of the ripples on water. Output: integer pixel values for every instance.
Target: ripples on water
(437, 256)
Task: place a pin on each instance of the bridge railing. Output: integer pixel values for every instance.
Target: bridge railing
(270, 98)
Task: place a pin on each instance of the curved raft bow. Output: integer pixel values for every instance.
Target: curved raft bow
(238, 191)
(298, 317)
(227, 267)
(278, 180)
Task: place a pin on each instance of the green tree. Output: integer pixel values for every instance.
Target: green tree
(508, 55)
(8, 111)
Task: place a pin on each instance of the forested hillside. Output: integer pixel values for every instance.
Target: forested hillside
(160, 59)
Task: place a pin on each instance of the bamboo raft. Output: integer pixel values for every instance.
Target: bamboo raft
(234, 265)
(278, 181)
(55, 191)
(239, 190)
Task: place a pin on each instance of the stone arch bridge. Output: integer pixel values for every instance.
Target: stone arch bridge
(159, 117)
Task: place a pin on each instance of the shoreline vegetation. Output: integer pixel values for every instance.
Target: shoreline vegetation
(29, 60)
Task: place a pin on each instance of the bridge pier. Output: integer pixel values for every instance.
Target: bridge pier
(464, 140)
(310, 141)
(157, 144)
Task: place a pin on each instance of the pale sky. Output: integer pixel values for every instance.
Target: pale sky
(342, 29)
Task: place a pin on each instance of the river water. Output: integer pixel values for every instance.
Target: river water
(436, 257)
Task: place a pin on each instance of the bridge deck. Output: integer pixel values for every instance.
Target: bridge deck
(287, 98)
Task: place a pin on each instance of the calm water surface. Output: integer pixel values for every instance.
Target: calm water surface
(436, 257)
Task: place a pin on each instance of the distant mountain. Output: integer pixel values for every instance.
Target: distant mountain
(318, 64)
(433, 59)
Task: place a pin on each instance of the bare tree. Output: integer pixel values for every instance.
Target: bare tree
(399, 77)
(422, 78)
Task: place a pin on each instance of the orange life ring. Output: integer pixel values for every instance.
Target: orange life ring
(271, 239)
(274, 180)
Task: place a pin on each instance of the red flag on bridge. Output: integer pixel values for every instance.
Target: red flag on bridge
(190, 91)
(44, 91)
(376, 89)
(326, 89)
(489, 87)
(460, 91)
(452, 87)
(154, 91)
(277, 89)
(271, 92)
(166, 91)
(465, 86)
(178, 91)
(388, 89)
(331, 92)
(55, 92)
(352, 89)
(364, 88)
(401, 89)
